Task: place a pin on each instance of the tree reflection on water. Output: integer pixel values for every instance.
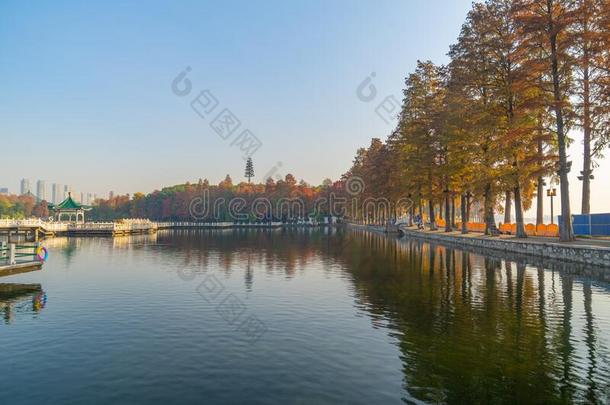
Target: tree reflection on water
(477, 329)
(471, 328)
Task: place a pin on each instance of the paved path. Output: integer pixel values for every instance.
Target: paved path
(579, 242)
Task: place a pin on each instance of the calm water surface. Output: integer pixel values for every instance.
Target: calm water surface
(298, 317)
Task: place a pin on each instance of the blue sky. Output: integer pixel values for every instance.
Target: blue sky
(86, 95)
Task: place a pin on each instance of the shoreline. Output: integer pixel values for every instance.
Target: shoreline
(539, 248)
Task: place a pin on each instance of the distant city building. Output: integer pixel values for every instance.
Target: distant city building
(25, 186)
(41, 192)
(3, 190)
(67, 190)
(58, 195)
(111, 195)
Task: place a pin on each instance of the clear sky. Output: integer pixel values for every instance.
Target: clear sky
(86, 86)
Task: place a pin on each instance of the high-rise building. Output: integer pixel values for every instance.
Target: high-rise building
(111, 195)
(67, 189)
(57, 193)
(41, 190)
(25, 186)
(4, 190)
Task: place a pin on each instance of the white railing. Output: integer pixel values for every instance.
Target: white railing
(123, 225)
(130, 225)
(135, 225)
(5, 223)
(179, 224)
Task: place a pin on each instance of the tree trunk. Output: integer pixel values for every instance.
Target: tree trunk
(540, 180)
(488, 204)
(431, 202)
(453, 212)
(411, 214)
(507, 207)
(464, 209)
(586, 182)
(586, 169)
(468, 205)
(540, 202)
(431, 214)
(519, 212)
(566, 233)
(447, 213)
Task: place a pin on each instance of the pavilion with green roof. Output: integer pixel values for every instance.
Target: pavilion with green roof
(70, 210)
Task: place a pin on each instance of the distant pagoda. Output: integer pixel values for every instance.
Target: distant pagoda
(69, 208)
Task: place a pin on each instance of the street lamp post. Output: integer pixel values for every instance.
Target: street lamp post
(551, 192)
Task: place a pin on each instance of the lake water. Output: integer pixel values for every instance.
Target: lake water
(298, 317)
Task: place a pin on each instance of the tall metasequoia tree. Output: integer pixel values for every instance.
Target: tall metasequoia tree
(546, 145)
(517, 104)
(470, 67)
(375, 167)
(591, 73)
(546, 24)
(400, 184)
(462, 103)
(379, 180)
(423, 102)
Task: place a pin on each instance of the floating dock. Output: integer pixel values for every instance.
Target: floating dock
(12, 269)
(17, 255)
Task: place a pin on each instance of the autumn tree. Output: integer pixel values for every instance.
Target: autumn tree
(419, 128)
(41, 209)
(590, 51)
(470, 69)
(545, 27)
(516, 105)
(227, 183)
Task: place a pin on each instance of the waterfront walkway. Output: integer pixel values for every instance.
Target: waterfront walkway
(585, 251)
(586, 242)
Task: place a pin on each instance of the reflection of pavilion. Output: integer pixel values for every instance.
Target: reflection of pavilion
(70, 210)
(20, 297)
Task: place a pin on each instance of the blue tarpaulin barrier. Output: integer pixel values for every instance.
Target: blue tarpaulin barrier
(592, 225)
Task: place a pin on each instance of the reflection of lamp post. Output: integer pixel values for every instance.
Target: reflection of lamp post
(551, 192)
